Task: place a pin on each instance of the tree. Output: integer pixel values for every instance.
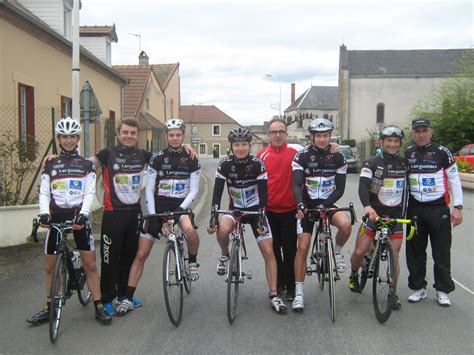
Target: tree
(451, 107)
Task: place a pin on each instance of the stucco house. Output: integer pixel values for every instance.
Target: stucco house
(378, 87)
(316, 101)
(151, 97)
(207, 128)
(35, 72)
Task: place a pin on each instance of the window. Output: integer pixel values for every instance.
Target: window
(202, 149)
(216, 129)
(26, 118)
(380, 113)
(67, 21)
(66, 107)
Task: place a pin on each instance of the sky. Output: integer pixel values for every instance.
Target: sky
(226, 48)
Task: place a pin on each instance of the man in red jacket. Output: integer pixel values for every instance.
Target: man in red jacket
(281, 208)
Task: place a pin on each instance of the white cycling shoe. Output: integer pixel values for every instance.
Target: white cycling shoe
(298, 303)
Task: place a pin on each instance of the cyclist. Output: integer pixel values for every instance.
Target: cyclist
(172, 185)
(66, 193)
(382, 192)
(123, 167)
(246, 179)
(319, 179)
(431, 168)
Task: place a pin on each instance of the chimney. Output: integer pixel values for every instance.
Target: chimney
(293, 101)
(143, 59)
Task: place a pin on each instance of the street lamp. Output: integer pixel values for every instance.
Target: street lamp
(279, 83)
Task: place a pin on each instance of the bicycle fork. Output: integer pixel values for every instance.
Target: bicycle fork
(172, 239)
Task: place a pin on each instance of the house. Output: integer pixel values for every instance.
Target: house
(207, 128)
(378, 87)
(98, 40)
(152, 97)
(316, 101)
(35, 67)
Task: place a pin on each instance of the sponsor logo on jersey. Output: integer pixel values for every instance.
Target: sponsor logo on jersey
(116, 167)
(250, 193)
(312, 158)
(180, 187)
(59, 185)
(165, 186)
(121, 179)
(236, 194)
(166, 160)
(312, 183)
(428, 181)
(400, 184)
(413, 181)
(54, 173)
(388, 183)
(326, 183)
(136, 179)
(75, 184)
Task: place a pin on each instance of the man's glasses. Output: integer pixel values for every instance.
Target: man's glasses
(274, 133)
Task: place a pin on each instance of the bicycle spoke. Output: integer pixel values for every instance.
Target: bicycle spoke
(384, 283)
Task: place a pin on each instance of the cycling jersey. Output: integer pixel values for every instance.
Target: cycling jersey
(280, 184)
(322, 175)
(123, 169)
(246, 183)
(67, 185)
(172, 181)
(430, 168)
(382, 184)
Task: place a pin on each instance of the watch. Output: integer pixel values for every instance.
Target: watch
(459, 207)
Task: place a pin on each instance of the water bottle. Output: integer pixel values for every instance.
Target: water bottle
(76, 259)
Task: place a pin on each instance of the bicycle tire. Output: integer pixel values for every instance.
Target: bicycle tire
(384, 282)
(187, 281)
(364, 271)
(233, 281)
(172, 286)
(57, 296)
(83, 292)
(331, 278)
(322, 261)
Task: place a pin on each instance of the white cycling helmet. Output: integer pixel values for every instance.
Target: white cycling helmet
(320, 125)
(174, 123)
(68, 126)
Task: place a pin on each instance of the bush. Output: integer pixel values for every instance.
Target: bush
(349, 142)
(464, 166)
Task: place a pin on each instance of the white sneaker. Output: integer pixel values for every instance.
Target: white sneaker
(340, 263)
(124, 307)
(222, 265)
(443, 299)
(298, 303)
(417, 295)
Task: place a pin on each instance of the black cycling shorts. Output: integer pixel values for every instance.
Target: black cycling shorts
(83, 239)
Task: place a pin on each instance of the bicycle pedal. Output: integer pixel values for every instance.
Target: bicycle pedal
(249, 275)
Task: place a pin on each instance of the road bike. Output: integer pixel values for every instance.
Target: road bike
(237, 256)
(176, 274)
(322, 259)
(68, 277)
(379, 264)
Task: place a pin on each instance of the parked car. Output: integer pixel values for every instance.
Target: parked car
(466, 153)
(352, 161)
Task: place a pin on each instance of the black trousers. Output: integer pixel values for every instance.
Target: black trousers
(119, 245)
(435, 222)
(283, 226)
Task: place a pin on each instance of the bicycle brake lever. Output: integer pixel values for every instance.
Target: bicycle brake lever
(34, 230)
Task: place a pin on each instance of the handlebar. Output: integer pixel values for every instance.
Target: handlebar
(61, 226)
(390, 222)
(169, 215)
(236, 214)
(332, 210)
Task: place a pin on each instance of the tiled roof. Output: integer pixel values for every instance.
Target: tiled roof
(318, 98)
(164, 72)
(147, 121)
(134, 91)
(93, 31)
(204, 114)
(404, 63)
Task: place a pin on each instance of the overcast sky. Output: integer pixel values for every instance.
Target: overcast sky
(225, 48)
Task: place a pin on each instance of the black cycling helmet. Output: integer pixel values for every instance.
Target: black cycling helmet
(240, 135)
(391, 131)
(320, 125)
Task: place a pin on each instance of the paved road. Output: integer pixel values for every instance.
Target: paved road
(419, 328)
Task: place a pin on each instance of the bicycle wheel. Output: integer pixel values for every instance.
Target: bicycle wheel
(364, 271)
(57, 296)
(172, 287)
(187, 281)
(331, 278)
(83, 292)
(385, 282)
(233, 280)
(322, 265)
